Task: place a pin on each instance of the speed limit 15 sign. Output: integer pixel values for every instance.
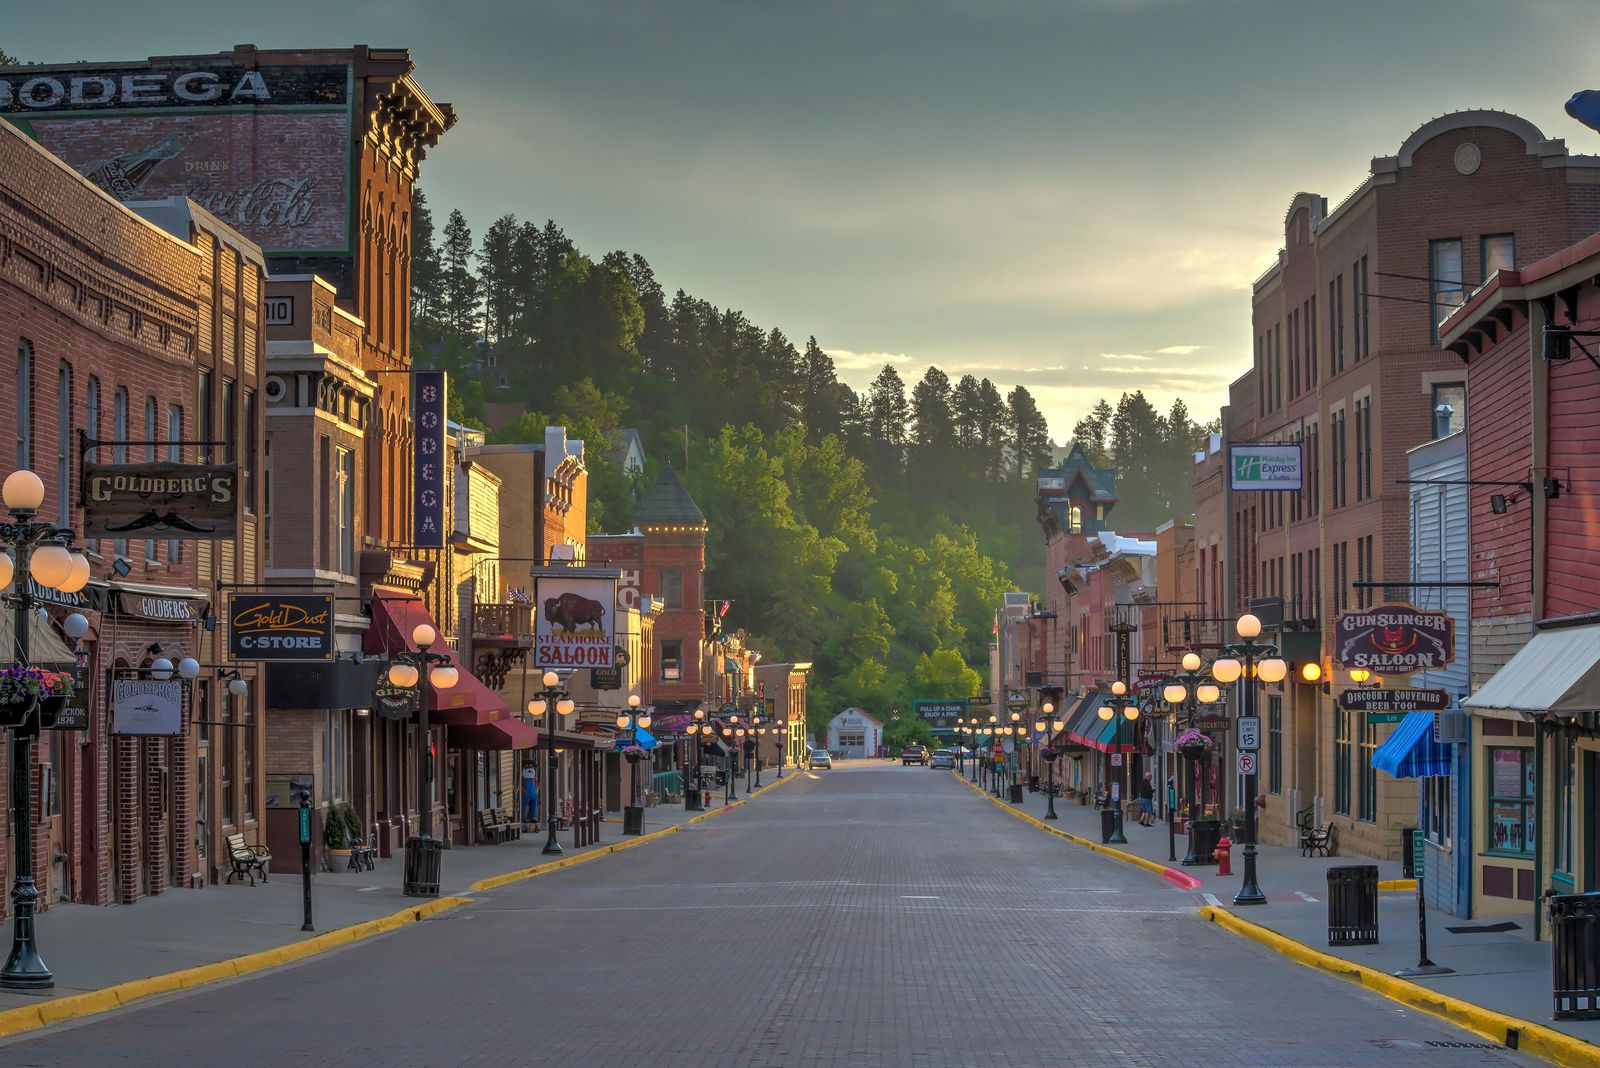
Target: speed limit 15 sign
(1249, 733)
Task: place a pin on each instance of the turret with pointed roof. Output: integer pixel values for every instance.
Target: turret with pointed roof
(1076, 497)
(667, 503)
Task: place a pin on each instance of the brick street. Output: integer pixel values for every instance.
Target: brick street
(871, 915)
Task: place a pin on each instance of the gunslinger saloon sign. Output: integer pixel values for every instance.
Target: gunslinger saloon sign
(183, 502)
(1395, 639)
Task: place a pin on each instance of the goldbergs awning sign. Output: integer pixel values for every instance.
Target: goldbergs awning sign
(279, 626)
(1395, 639)
(167, 501)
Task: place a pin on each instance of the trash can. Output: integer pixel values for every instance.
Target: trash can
(1575, 955)
(633, 819)
(422, 866)
(1408, 867)
(1033, 784)
(1016, 793)
(1108, 823)
(1203, 838)
(1353, 905)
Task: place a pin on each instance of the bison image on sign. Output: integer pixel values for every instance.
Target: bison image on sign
(575, 625)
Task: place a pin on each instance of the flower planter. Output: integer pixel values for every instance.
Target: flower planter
(50, 706)
(339, 860)
(15, 713)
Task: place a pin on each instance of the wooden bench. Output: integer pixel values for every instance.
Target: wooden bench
(1314, 839)
(247, 860)
(491, 827)
(512, 825)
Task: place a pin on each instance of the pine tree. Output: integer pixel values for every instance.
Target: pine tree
(1029, 442)
(821, 405)
(1092, 434)
(425, 268)
(888, 414)
(933, 425)
(991, 430)
(460, 287)
(497, 270)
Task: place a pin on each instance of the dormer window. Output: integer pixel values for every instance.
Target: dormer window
(1075, 520)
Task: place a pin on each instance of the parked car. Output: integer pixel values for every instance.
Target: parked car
(821, 759)
(943, 758)
(915, 753)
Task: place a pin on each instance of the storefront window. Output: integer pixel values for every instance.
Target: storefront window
(1341, 761)
(1510, 827)
(672, 659)
(1369, 774)
(1275, 736)
(1436, 808)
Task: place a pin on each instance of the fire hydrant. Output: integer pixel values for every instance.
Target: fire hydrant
(706, 798)
(1224, 850)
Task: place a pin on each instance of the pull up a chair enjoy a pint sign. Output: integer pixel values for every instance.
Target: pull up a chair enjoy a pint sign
(574, 617)
(1395, 639)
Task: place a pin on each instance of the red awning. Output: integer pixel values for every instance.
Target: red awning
(501, 734)
(469, 703)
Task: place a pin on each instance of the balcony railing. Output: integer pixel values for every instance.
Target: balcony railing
(503, 624)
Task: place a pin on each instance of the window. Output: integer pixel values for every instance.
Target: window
(247, 481)
(1565, 772)
(64, 445)
(1363, 311)
(1436, 822)
(1277, 365)
(1336, 325)
(852, 739)
(1369, 774)
(1445, 280)
(203, 425)
(119, 451)
(1074, 519)
(1498, 253)
(1261, 376)
(152, 433)
(671, 659)
(248, 736)
(1275, 743)
(335, 740)
(175, 455)
(1510, 826)
(346, 494)
(1364, 471)
(1341, 465)
(1294, 354)
(230, 448)
(1361, 456)
(325, 504)
(224, 753)
(1341, 760)
(672, 589)
(266, 501)
(1449, 408)
(24, 404)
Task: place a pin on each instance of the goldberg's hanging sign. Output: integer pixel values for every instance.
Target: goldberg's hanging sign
(277, 626)
(146, 706)
(575, 617)
(1395, 639)
(428, 429)
(181, 502)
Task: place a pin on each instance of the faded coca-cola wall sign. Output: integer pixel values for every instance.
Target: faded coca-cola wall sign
(265, 149)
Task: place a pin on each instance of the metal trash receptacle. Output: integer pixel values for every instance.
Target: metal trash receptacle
(1575, 955)
(1016, 793)
(1108, 823)
(633, 819)
(1353, 905)
(423, 856)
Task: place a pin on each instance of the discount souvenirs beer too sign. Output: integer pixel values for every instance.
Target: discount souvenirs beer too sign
(574, 617)
(1395, 639)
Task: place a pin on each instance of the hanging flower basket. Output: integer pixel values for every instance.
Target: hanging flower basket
(1193, 744)
(633, 754)
(1050, 753)
(21, 689)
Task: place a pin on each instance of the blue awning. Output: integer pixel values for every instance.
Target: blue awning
(1410, 752)
(641, 738)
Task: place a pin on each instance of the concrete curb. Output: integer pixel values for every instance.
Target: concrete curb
(93, 1002)
(1174, 876)
(1524, 1036)
(1397, 884)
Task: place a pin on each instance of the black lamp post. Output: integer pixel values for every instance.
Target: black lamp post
(728, 742)
(1185, 689)
(550, 702)
(422, 850)
(698, 729)
(44, 555)
(634, 719)
(1259, 661)
(1125, 709)
(755, 751)
(1051, 754)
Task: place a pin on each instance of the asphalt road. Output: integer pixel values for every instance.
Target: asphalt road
(870, 915)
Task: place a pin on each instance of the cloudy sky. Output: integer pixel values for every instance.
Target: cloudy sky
(1074, 195)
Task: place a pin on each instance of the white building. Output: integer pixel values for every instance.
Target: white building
(854, 733)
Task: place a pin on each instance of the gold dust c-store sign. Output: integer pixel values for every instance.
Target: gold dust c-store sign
(280, 626)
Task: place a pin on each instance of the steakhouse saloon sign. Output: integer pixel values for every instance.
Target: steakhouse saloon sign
(575, 626)
(280, 626)
(1395, 639)
(182, 502)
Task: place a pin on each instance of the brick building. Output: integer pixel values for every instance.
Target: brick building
(143, 331)
(1346, 362)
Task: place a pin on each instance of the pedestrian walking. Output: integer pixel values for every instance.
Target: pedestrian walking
(1147, 793)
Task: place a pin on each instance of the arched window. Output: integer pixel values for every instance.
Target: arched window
(1075, 520)
(64, 444)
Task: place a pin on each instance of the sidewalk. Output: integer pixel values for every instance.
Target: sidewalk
(91, 948)
(1503, 971)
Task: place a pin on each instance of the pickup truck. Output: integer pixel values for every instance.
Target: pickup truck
(915, 753)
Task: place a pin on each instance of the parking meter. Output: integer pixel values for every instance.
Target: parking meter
(300, 792)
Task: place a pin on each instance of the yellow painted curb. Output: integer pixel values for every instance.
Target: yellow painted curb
(1397, 884)
(1524, 1036)
(91, 1003)
(1092, 846)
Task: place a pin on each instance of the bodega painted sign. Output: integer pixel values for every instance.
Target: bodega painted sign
(574, 617)
(279, 626)
(1395, 639)
(182, 502)
(429, 389)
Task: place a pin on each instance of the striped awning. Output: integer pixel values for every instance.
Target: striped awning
(1410, 752)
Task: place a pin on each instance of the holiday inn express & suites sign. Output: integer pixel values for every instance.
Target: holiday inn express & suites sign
(1254, 467)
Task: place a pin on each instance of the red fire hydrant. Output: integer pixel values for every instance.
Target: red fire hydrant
(706, 798)
(1224, 852)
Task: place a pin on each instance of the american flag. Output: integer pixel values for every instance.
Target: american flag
(515, 595)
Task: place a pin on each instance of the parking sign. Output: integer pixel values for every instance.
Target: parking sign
(1247, 763)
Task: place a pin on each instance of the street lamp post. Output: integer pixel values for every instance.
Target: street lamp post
(1184, 689)
(634, 719)
(1051, 755)
(1127, 710)
(1259, 660)
(697, 729)
(422, 850)
(755, 755)
(44, 554)
(551, 702)
(727, 765)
